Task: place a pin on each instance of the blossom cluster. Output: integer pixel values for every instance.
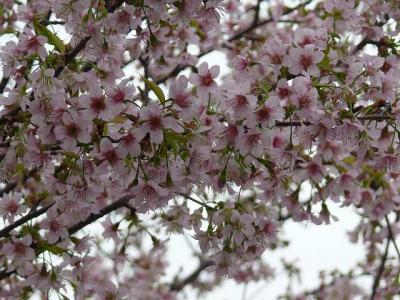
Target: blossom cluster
(305, 108)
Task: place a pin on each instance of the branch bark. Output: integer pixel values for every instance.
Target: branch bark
(104, 211)
(378, 275)
(178, 286)
(111, 6)
(264, 22)
(3, 84)
(78, 226)
(237, 36)
(306, 123)
(34, 214)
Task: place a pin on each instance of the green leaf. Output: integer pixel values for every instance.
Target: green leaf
(341, 76)
(44, 246)
(324, 64)
(222, 178)
(52, 38)
(349, 160)
(155, 88)
(266, 87)
(8, 30)
(196, 26)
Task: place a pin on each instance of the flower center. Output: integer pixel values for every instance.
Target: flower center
(97, 104)
(72, 130)
(306, 61)
(207, 79)
(119, 96)
(155, 122)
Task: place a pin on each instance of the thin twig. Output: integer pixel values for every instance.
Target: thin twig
(196, 201)
(104, 211)
(178, 286)
(265, 22)
(78, 226)
(391, 236)
(34, 214)
(378, 118)
(380, 270)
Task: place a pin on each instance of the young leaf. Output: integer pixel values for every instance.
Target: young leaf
(324, 64)
(52, 38)
(155, 88)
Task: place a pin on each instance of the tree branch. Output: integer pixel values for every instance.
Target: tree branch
(111, 6)
(392, 237)
(264, 22)
(306, 123)
(237, 36)
(34, 214)
(78, 226)
(3, 84)
(380, 270)
(178, 286)
(104, 211)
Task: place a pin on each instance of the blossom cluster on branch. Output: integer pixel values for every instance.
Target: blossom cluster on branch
(309, 105)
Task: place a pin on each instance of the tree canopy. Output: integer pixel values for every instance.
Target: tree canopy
(117, 131)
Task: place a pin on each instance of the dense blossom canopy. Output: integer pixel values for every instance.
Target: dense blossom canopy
(112, 115)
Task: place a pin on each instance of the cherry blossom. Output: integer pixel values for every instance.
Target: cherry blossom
(121, 128)
(154, 123)
(205, 81)
(303, 59)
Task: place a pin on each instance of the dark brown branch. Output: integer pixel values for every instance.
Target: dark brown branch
(392, 237)
(8, 188)
(378, 275)
(264, 22)
(34, 214)
(3, 84)
(257, 12)
(11, 185)
(237, 36)
(78, 226)
(178, 286)
(306, 123)
(292, 123)
(6, 274)
(4, 144)
(104, 211)
(71, 55)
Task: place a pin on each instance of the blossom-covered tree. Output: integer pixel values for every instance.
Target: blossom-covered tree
(112, 118)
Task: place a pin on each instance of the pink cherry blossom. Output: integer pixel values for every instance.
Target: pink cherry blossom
(304, 60)
(74, 128)
(205, 81)
(155, 123)
(220, 121)
(55, 226)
